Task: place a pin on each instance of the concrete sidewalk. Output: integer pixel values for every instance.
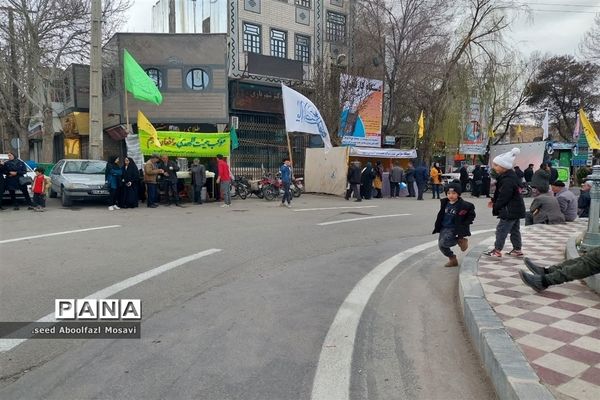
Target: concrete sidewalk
(555, 334)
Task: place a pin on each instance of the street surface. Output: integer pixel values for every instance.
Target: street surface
(248, 317)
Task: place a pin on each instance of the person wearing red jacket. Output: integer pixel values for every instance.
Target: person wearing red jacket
(224, 180)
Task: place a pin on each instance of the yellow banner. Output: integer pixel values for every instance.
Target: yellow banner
(590, 134)
(185, 144)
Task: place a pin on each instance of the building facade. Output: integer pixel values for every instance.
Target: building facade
(269, 42)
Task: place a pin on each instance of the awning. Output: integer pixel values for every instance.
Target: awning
(382, 153)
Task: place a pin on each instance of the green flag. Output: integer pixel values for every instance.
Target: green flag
(138, 83)
(234, 139)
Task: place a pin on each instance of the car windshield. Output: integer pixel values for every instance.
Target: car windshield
(85, 167)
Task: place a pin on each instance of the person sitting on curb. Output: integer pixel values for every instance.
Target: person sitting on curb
(453, 222)
(566, 199)
(566, 271)
(540, 180)
(584, 200)
(544, 210)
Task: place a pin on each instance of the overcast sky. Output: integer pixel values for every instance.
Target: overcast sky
(554, 26)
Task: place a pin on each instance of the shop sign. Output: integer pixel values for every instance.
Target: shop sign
(186, 144)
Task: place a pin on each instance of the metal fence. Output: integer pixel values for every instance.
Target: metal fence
(263, 146)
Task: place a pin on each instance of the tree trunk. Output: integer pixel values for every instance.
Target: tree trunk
(47, 137)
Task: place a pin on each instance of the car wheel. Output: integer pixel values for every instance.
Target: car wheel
(65, 198)
(53, 194)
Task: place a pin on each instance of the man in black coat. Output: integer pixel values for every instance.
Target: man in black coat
(353, 178)
(477, 181)
(453, 221)
(553, 173)
(507, 204)
(170, 169)
(421, 178)
(584, 200)
(14, 170)
(528, 173)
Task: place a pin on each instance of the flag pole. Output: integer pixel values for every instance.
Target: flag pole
(289, 146)
(127, 112)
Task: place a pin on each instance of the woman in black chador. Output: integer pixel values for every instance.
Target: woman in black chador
(130, 182)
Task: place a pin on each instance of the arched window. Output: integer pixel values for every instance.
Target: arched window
(156, 75)
(197, 79)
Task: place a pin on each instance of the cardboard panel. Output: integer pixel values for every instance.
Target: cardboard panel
(326, 172)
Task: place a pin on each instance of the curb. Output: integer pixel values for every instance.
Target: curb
(510, 372)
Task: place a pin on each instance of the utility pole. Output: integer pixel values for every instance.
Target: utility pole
(96, 132)
(172, 16)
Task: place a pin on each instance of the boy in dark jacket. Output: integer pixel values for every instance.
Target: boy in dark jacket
(507, 204)
(453, 222)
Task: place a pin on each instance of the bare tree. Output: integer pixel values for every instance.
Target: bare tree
(590, 47)
(42, 37)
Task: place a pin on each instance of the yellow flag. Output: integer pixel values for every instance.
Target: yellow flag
(146, 126)
(590, 134)
(491, 133)
(421, 125)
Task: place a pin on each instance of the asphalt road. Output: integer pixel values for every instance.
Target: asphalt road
(248, 321)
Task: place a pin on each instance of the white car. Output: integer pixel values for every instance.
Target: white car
(450, 176)
(78, 180)
(30, 173)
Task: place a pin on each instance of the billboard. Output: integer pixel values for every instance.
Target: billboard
(474, 140)
(362, 111)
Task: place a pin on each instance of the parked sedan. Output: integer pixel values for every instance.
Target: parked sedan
(78, 180)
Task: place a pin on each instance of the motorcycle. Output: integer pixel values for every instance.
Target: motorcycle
(273, 187)
(297, 186)
(240, 187)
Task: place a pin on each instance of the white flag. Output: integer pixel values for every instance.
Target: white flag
(301, 115)
(545, 126)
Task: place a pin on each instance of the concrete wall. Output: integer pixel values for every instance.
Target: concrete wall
(174, 56)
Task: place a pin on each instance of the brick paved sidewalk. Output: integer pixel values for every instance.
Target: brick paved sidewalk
(557, 330)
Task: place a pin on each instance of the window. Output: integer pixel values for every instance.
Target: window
(252, 38)
(156, 76)
(278, 43)
(303, 49)
(336, 27)
(303, 3)
(197, 79)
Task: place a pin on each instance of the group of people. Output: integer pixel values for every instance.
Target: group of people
(456, 215)
(161, 171)
(367, 182)
(553, 202)
(13, 177)
(480, 183)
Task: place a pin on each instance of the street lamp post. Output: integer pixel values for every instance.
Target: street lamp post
(592, 236)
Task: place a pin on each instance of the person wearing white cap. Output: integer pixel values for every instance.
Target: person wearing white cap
(507, 204)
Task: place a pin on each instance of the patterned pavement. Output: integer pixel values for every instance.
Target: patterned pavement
(557, 330)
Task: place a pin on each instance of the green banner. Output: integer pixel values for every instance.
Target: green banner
(186, 144)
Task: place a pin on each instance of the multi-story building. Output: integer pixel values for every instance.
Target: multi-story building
(269, 42)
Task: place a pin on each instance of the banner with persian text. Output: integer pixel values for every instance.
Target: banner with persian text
(186, 144)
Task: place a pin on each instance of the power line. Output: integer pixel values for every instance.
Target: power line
(560, 5)
(564, 11)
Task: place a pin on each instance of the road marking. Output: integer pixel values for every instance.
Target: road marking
(333, 373)
(331, 208)
(8, 344)
(58, 233)
(341, 221)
